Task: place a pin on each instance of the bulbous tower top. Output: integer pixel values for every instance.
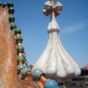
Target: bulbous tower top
(55, 61)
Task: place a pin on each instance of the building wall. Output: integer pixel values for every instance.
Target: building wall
(78, 82)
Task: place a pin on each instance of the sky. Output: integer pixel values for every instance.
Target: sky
(73, 23)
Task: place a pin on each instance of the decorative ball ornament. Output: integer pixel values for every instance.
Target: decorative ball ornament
(11, 18)
(20, 66)
(17, 31)
(19, 39)
(4, 5)
(11, 10)
(21, 59)
(50, 84)
(20, 48)
(28, 73)
(36, 74)
(10, 4)
(12, 26)
(24, 71)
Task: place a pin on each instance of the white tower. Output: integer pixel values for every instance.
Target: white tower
(55, 60)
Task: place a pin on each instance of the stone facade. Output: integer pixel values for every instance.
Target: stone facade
(79, 81)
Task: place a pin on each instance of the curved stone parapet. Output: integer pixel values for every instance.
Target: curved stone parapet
(8, 53)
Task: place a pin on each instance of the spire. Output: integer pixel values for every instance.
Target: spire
(55, 60)
(53, 25)
(52, 8)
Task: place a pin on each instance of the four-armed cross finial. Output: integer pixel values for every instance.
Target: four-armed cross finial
(52, 6)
